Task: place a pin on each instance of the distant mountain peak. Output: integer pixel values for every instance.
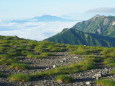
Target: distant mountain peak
(44, 18)
(47, 18)
(98, 15)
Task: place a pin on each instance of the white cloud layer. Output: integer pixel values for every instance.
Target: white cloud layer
(34, 30)
(102, 10)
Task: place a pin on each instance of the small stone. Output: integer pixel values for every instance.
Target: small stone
(18, 70)
(25, 85)
(92, 71)
(54, 66)
(75, 57)
(62, 61)
(65, 59)
(105, 68)
(88, 83)
(47, 68)
(97, 76)
(59, 81)
(45, 81)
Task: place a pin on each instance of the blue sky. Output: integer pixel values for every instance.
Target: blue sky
(26, 9)
(16, 9)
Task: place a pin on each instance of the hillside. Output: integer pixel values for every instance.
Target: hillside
(30, 63)
(98, 25)
(97, 31)
(72, 36)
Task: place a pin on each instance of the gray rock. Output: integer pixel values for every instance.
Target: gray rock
(61, 61)
(88, 83)
(76, 57)
(54, 66)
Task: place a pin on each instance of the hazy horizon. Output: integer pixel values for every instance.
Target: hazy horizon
(27, 9)
(12, 9)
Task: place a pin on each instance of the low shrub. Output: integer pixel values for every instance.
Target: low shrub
(58, 49)
(18, 66)
(40, 50)
(36, 56)
(46, 54)
(3, 56)
(111, 65)
(25, 53)
(19, 77)
(13, 52)
(82, 52)
(106, 51)
(105, 82)
(64, 79)
(112, 72)
(109, 62)
(6, 61)
(2, 74)
(87, 64)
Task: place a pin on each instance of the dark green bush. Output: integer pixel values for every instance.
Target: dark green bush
(109, 62)
(112, 72)
(19, 77)
(105, 82)
(18, 66)
(2, 74)
(36, 56)
(40, 50)
(7, 61)
(64, 79)
(13, 52)
(46, 54)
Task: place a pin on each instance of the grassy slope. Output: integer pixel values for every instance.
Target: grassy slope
(72, 36)
(13, 47)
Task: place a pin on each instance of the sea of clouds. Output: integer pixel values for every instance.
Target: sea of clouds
(33, 30)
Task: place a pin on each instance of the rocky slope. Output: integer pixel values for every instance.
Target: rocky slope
(80, 79)
(30, 63)
(98, 25)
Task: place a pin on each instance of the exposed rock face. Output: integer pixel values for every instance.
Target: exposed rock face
(102, 24)
(106, 21)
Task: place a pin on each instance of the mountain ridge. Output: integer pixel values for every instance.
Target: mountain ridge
(98, 25)
(85, 33)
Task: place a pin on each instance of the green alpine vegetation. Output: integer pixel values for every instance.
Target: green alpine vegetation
(72, 36)
(19, 77)
(18, 66)
(64, 79)
(2, 74)
(21, 55)
(105, 82)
